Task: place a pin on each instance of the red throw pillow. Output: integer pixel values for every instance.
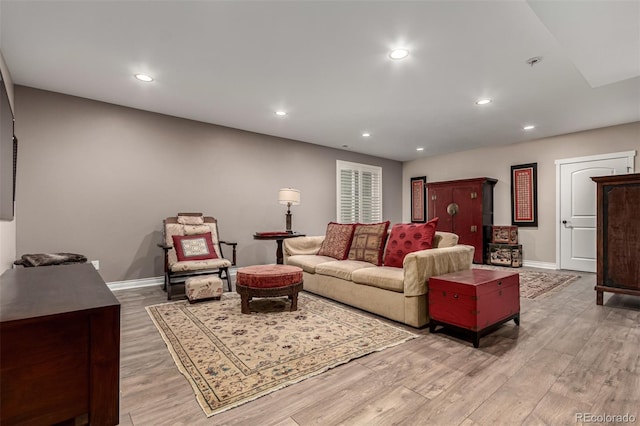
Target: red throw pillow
(406, 238)
(368, 242)
(337, 240)
(194, 247)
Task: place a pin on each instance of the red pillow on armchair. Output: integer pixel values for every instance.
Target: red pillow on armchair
(406, 238)
(194, 247)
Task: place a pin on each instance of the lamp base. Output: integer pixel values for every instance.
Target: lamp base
(288, 215)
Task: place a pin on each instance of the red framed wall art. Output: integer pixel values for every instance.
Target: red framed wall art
(524, 195)
(418, 199)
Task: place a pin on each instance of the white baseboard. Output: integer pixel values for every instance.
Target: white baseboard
(541, 265)
(142, 282)
(148, 282)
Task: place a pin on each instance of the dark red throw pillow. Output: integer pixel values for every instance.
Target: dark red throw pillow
(194, 247)
(406, 238)
(337, 240)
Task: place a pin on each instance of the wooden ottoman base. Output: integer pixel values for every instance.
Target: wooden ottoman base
(248, 293)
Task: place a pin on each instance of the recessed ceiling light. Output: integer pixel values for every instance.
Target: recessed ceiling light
(483, 101)
(144, 77)
(420, 149)
(399, 53)
(366, 135)
(281, 113)
(529, 127)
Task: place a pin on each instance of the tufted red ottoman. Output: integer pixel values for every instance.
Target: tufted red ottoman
(268, 281)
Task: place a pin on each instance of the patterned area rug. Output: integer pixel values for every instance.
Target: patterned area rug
(534, 284)
(230, 358)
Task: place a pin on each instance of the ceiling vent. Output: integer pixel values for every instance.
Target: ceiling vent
(534, 61)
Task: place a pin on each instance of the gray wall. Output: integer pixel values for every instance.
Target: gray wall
(539, 244)
(98, 179)
(7, 227)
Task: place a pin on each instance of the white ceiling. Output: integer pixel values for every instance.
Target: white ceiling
(325, 62)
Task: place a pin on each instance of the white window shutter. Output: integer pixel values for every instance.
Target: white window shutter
(359, 192)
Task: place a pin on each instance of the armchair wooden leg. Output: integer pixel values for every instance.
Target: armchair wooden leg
(226, 272)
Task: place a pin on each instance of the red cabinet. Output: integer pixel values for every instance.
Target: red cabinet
(465, 207)
(474, 300)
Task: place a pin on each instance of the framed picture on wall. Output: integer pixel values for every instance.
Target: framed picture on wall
(524, 195)
(418, 199)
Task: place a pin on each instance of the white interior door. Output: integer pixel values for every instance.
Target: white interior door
(577, 207)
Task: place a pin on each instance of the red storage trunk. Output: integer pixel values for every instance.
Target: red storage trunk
(476, 300)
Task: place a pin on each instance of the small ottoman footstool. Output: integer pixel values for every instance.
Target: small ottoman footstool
(205, 287)
(268, 281)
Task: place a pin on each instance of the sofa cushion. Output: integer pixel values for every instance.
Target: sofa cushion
(308, 262)
(337, 240)
(383, 277)
(406, 238)
(368, 242)
(445, 239)
(341, 268)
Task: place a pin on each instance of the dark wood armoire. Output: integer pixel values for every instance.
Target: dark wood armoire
(618, 234)
(464, 207)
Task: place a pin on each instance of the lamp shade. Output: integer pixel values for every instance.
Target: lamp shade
(289, 196)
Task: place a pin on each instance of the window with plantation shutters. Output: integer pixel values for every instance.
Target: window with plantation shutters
(359, 192)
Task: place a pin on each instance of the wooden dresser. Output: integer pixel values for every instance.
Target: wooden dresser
(618, 234)
(59, 347)
(465, 207)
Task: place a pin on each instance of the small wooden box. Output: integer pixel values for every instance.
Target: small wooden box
(504, 234)
(505, 255)
(475, 300)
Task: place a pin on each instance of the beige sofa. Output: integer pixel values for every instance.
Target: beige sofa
(399, 294)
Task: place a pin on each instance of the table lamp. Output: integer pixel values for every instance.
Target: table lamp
(290, 197)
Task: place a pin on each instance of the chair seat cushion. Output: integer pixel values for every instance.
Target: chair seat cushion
(268, 276)
(198, 265)
(203, 287)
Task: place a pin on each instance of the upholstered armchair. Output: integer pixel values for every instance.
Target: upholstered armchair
(192, 247)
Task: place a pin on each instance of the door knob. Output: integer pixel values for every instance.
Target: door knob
(564, 222)
(452, 209)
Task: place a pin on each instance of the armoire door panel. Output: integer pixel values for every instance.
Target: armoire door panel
(465, 207)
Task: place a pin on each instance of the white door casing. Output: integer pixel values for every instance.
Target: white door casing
(576, 206)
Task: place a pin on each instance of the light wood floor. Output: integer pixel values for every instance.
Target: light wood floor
(568, 356)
